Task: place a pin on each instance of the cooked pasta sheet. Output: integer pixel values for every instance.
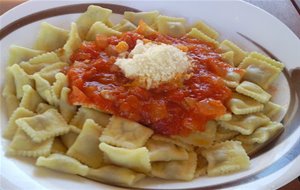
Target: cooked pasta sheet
(80, 139)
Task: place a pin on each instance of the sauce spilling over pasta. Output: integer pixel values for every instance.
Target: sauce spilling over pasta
(174, 108)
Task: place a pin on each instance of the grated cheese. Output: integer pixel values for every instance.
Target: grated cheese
(152, 64)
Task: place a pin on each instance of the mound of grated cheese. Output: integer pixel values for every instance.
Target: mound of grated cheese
(152, 64)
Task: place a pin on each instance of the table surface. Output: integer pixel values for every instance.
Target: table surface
(288, 11)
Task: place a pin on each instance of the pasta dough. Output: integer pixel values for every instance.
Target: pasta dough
(86, 146)
(73, 43)
(18, 54)
(12, 127)
(44, 126)
(31, 99)
(148, 17)
(23, 145)
(87, 113)
(115, 175)
(207, 30)
(181, 170)
(201, 139)
(62, 163)
(171, 26)
(226, 157)
(50, 37)
(99, 28)
(238, 55)
(262, 134)
(245, 124)
(88, 18)
(125, 133)
(254, 91)
(136, 159)
(240, 105)
(195, 33)
(165, 151)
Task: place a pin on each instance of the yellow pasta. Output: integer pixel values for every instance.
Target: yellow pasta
(245, 124)
(165, 151)
(18, 54)
(259, 71)
(22, 145)
(124, 26)
(88, 18)
(62, 163)
(12, 127)
(99, 28)
(136, 159)
(87, 113)
(148, 17)
(58, 146)
(240, 105)
(201, 139)
(125, 133)
(203, 27)
(254, 91)
(238, 55)
(44, 126)
(181, 170)
(31, 99)
(50, 37)
(85, 148)
(115, 175)
(171, 26)
(195, 33)
(226, 157)
(73, 42)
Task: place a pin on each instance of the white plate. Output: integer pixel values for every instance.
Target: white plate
(273, 168)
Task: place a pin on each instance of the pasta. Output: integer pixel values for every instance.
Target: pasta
(171, 26)
(124, 26)
(124, 133)
(62, 163)
(245, 124)
(226, 157)
(115, 175)
(18, 54)
(23, 145)
(181, 170)
(85, 148)
(12, 127)
(240, 105)
(136, 159)
(201, 139)
(50, 37)
(87, 113)
(164, 151)
(238, 53)
(99, 28)
(92, 15)
(74, 110)
(31, 99)
(44, 126)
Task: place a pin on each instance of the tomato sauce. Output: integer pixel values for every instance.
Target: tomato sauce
(172, 108)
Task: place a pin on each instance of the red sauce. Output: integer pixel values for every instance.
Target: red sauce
(172, 108)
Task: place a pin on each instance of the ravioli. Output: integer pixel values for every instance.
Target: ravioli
(44, 126)
(125, 133)
(115, 175)
(180, 170)
(85, 148)
(62, 163)
(226, 157)
(136, 159)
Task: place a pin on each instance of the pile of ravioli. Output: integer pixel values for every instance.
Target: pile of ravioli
(87, 142)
